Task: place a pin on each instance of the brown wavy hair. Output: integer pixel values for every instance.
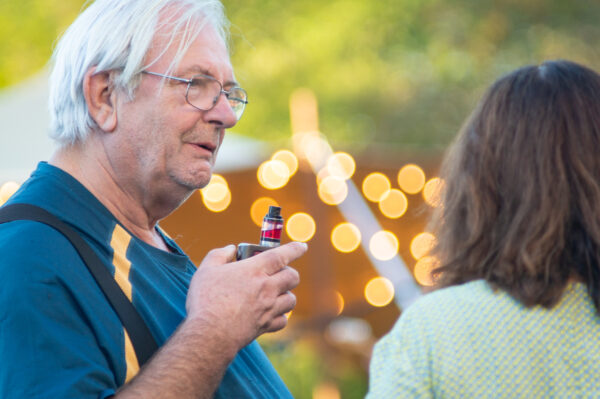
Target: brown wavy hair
(521, 203)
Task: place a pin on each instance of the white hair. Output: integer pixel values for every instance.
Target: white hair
(115, 35)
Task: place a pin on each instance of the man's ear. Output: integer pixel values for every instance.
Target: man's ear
(100, 96)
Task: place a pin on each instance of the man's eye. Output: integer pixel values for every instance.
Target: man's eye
(201, 83)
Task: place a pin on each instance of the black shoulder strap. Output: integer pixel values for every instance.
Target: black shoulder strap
(141, 338)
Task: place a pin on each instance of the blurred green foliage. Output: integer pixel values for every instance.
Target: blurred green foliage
(395, 73)
(28, 30)
(304, 367)
(391, 74)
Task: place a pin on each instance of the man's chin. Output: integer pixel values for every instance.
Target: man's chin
(194, 181)
(194, 184)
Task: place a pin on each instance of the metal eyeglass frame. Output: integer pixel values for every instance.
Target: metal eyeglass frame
(215, 99)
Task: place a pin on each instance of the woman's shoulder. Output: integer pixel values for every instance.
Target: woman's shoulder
(474, 300)
(463, 294)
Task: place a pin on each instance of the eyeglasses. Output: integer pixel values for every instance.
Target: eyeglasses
(203, 92)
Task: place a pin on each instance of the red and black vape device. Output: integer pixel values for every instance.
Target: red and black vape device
(270, 235)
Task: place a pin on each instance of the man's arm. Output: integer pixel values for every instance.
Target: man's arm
(228, 306)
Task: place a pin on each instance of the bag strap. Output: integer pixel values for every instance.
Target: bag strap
(143, 342)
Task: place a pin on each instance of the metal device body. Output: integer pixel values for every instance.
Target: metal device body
(270, 235)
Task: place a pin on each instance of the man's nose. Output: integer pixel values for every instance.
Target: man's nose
(222, 112)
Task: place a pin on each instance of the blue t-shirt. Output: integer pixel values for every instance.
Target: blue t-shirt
(59, 337)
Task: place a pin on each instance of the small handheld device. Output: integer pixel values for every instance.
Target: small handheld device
(270, 235)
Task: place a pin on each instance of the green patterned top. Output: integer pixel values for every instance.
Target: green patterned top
(469, 341)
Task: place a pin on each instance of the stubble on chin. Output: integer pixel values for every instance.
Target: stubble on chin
(193, 179)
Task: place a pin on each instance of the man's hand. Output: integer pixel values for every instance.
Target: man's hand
(241, 300)
(228, 305)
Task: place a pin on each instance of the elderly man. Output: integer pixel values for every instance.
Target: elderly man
(141, 94)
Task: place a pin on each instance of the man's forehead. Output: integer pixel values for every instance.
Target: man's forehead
(227, 79)
(173, 42)
(176, 53)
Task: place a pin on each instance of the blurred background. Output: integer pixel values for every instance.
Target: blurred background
(352, 103)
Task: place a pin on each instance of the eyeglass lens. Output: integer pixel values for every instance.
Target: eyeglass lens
(204, 92)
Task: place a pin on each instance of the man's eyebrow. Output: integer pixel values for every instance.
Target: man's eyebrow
(196, 69)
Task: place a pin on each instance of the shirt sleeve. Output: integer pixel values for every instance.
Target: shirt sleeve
(48, 348)
(400, 363)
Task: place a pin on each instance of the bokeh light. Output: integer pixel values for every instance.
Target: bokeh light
(411, 178)
(375, 185)
(214, 192)
(288, 158)
(349, 331)
(340, 302)
(7, 190)
(259, 174)
(217, 178)
(384, 245)
(423, 268)
(216, 196)
(393, 204)
(421, 245)
(304, 112)
(313, 147)
(342, 165)
(259, 209)
(326, 390)
(432, 191)
(218, 206)
(333, 190)
(345, 237)
(323, 173)
(379, 291)
(300, 227)
(273, 174)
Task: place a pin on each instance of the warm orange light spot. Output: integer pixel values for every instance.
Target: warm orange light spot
(393, 204)
(423, 268)
(384, 245)
(220, 205)
(322, 174)
(312, 146)
(300, 227)
(432, 191)
(304, 113)
(345, 237)
(216, 178)
(341, 165)
(214, 192)
(288, 158)
(326, 390)
(411, 178)
(421, 245)
(379, 291)
(340, 302)
(216, 196)
(259, 209)
(333, 190)
(375, 185)
(273, 174)
(7, 190)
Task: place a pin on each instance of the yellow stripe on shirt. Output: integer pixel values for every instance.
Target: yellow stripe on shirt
(120, 242)
(133, 366)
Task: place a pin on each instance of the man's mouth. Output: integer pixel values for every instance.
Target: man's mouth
(207, 146)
